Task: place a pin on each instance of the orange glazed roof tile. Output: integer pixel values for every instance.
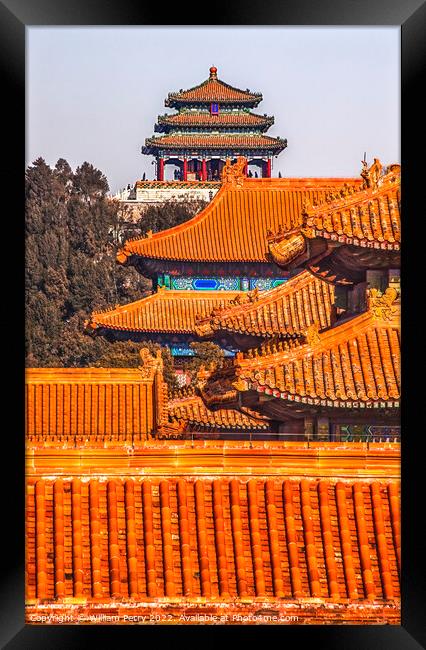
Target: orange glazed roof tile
(192, 411)
(369, 217)
(365, 217)
(222, 119)
(134, 539)
(356, 361)
(235, 225)
(222, 141)
(163, 311)
(213, 90)
(285, 310)
(93, 404)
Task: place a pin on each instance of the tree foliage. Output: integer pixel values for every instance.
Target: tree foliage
(71, 269)
(155, 217)
(168, 214)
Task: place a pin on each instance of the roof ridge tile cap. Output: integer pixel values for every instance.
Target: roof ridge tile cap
(349, 200)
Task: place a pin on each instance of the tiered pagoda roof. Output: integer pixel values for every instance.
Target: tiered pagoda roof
(189, 141)
(166, 311)
(213, 90)
(214, 117)
(287, 310)
(336, 235)
(357, 360)
(233, 228)
(352, 365)
(202, 120)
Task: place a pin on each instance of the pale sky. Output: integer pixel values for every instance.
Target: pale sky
(94, 94)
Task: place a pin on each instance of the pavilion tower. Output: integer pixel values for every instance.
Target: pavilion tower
(214, 121)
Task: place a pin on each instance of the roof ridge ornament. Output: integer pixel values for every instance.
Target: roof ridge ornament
(150, 363)
(203, 374)
(233, 174)
(382, 305)
(372, 175)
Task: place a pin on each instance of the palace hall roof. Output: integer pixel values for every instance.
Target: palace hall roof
(288, 309)
(94, 405)
(235, 225)
(357, 362)
(367, 218)
(222, 119)
(243, 141)
(191, 411)
(213, 90)
(163, 311)
(130, 540)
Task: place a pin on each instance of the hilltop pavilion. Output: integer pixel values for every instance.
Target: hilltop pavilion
(213, 122)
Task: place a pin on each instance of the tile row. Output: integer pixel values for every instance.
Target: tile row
(215, 538)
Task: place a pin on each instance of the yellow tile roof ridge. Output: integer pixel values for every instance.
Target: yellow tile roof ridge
(249, 184)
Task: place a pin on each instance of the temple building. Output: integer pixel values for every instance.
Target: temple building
(204, 263)
(351, 240)
(225, 246)
(325, 371)
(165, 317)
(213, 122)
(237, 500)
(285, 311)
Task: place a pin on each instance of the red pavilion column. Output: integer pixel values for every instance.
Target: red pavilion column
(268, 168)
(160, 169)
(185, 169)
(204, 169)
(245, 170)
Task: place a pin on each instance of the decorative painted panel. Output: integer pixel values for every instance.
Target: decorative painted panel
(218, 283)
(266, 283)
(184, 351)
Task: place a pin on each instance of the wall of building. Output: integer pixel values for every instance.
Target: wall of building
(160, 195)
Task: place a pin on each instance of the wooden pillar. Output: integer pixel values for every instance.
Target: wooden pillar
(245, 170)
(268, 168)
(204, 169)
(185, 169)
(160, 169)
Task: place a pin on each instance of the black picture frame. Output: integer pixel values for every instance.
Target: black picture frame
(15, 16)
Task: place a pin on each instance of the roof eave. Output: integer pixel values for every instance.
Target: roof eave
(175, 102)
